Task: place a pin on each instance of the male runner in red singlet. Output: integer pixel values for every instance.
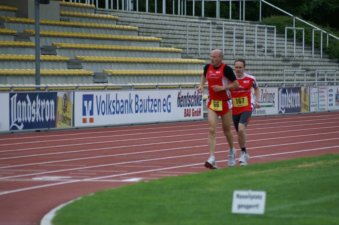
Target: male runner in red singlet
(221, 80)
(243, 105)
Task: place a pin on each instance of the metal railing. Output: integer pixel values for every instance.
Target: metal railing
(295, 29)
(241, 29)
(266, 28)
(264, 34)
(295, 18)
(180, 7)
(81, 87)
(324, 75)
(287, 77)
(190, 29)
(296, 77)
(321, 42)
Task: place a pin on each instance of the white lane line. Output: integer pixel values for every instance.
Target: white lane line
(51, 178)
(257, 156)
(110, 131)
(98, 137)
(142, 152)
(157, 159)
(153, 143)
(133, 135)
(119, 129)
(149, 160)
(135, 179)
(127, 180)
(123, 163)
(153, 170)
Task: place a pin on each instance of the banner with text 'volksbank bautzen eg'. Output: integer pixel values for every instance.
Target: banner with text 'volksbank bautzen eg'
(136, 106)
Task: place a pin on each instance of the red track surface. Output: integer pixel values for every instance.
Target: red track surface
(41, 170)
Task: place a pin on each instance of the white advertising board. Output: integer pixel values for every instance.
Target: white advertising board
(4, 112)
(333, 97)
(314, 99)
(136, 106)
(305, 99)
(268, 102)
(249, 202)
(323, 99)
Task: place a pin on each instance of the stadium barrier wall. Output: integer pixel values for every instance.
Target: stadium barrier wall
(74, 109)
(26, 9)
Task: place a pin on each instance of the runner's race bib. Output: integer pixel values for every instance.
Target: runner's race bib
(216, 105)
(240, 102)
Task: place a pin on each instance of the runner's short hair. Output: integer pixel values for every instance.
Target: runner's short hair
(241, 60)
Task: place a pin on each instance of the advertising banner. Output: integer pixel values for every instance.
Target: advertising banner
(314, 99)
(64, 117)
(337, 97)
(141, 106)
(268, 102)
(4, 112)
(323, 99)
(305, 99)
(333, 97)
(32, 110)
(289, 100)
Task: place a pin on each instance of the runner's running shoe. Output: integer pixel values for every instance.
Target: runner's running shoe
(211, 163)
(243, 160)
(231, 157)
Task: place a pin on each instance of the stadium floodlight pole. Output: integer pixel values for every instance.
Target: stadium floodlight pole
(37, 43)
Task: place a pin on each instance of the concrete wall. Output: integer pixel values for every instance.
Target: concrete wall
(26, 9)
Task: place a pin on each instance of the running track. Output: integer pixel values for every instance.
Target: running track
(41, 170)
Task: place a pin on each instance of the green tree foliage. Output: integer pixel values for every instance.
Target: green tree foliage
(323, 12)
(282, 21)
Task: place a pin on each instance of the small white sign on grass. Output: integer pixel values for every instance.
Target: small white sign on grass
(249, 202)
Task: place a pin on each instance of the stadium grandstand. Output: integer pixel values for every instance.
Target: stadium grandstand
(97, 94)
(61, 47)
(86, 42)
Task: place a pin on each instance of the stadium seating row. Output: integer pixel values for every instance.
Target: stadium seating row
(197, 36)
(87, 52)
(129, 47)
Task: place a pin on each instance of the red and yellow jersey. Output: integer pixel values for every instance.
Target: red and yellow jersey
(242, 96)
(218, 76)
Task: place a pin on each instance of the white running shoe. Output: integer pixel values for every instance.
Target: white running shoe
(211, 163)
(243, 160)
(231, 157)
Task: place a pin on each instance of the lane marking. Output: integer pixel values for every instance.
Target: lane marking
(287, 118)
(135, 179)
(146, 138)
(169, 142)
(154, 170)
(149, 151)
(51, 178)
(163, 158)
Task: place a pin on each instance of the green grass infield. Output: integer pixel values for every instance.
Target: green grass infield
(302, 191)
